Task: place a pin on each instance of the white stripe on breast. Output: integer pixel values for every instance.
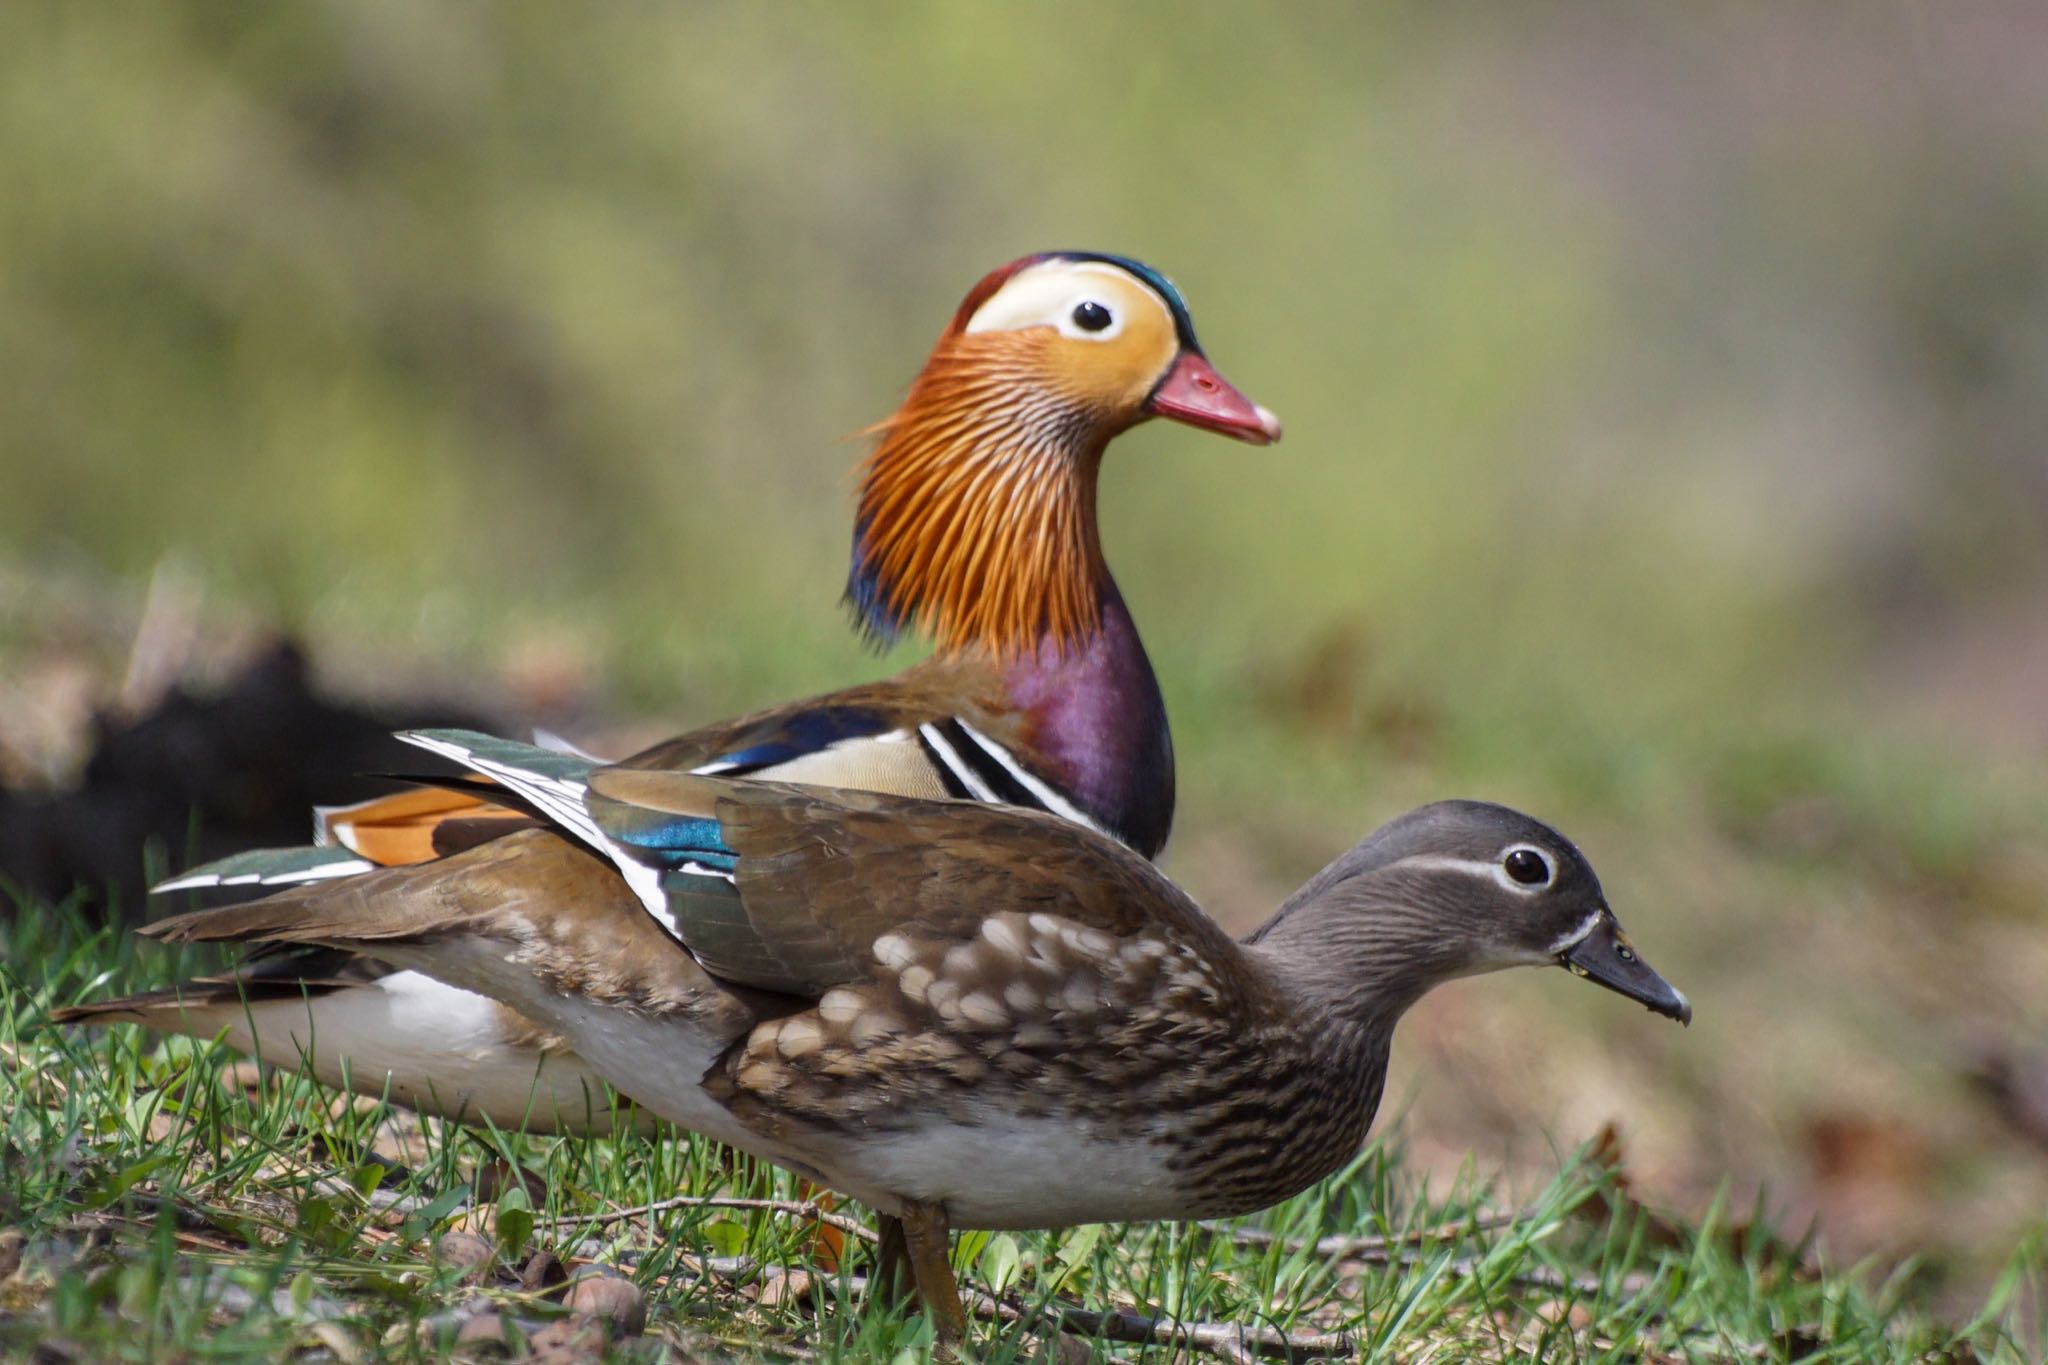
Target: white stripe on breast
(1047, 797)
(957, 765)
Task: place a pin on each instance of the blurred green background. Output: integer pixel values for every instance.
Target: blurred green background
(1667, 453)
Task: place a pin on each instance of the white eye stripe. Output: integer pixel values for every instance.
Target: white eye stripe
(1494, 868)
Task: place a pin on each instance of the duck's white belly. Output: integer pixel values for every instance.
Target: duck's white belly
(1007, 1172)
(660, 1062)
(432, 1047)
(1013, 1172)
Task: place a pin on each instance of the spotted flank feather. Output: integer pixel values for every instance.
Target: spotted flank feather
(269, 867)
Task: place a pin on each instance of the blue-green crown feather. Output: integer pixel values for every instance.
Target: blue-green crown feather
(1183, 322)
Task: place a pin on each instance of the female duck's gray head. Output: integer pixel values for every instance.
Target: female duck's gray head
(1462, 887)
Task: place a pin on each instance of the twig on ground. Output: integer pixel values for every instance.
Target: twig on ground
(188, 1217)
(1400, 1250)
(1351, 1248)
(1538, 1277)
(790, 1208)
(1231, 1341)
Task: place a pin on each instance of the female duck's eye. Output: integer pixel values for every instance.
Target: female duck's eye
(1091, 316)
(1527, 866)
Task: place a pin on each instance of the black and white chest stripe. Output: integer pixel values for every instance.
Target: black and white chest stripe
(974, 767)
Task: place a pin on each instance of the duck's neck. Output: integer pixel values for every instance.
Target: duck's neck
(1279, 1107)
(1300, 1084)
(1354, 955)
(977, 526)
(976, 522)
(1094, 723)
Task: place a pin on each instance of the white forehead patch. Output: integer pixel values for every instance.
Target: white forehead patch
(1046, 294)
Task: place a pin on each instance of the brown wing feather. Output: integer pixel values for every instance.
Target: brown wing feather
(825, 873)
(954, 941)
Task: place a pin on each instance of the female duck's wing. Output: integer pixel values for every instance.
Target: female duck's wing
(792, 888)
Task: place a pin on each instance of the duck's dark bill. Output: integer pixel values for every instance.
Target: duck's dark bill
(1606, 956)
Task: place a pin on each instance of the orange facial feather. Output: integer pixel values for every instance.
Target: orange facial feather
(977, 508)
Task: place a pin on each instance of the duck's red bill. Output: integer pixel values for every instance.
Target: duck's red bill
(1194, 393)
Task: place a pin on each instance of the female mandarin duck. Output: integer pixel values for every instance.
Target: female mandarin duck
(962, 1014)
(976, 525)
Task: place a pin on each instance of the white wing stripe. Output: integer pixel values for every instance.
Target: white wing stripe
(697, 869)
(646, 884)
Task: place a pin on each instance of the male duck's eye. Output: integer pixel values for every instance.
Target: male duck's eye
(1091, 316)
(1527, 866)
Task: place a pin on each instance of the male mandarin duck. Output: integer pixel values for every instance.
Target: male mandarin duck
(963, 1014)
(976, 526)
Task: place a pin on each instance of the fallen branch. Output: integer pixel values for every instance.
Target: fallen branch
(1542, 1277)
(791, 1208)
(1401, 1250)
(1338, 1247)
(1232, 1341)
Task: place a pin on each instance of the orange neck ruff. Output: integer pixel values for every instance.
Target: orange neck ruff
(977, 509)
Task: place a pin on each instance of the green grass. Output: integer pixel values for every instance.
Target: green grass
(173, 1206)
